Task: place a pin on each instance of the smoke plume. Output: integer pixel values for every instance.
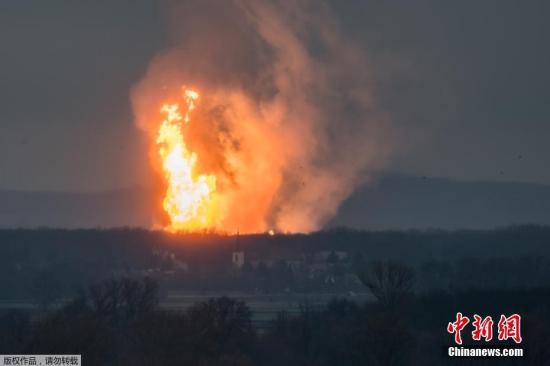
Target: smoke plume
(287, 120)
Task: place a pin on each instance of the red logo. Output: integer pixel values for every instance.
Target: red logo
(483, 328)
(508, 328)
(457, 326)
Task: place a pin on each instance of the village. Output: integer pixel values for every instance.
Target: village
(280, 271)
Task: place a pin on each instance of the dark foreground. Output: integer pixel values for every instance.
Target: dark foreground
(135, 297)
(119, 322)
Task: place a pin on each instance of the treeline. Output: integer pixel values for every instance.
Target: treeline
(133, 246)
(46, 265)
(118, 322)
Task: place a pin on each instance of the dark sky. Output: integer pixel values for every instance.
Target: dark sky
(464, 82)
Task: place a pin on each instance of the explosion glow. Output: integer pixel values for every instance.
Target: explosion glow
(278, 137)
(190, 198)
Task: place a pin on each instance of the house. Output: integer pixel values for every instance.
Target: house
(292, 259)
(170, 260)
(237, 259)
(325, 255)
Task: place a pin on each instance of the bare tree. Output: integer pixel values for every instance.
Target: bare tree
(123, 300)
(390, 282)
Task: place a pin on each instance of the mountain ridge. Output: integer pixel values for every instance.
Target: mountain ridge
(393, 201)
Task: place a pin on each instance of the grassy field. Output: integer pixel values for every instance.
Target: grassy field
(264, 307)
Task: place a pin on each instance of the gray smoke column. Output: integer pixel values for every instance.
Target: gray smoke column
(287, 119)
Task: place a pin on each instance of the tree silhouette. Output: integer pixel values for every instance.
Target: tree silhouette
(390, 282)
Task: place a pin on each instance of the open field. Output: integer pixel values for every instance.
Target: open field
(264, 307)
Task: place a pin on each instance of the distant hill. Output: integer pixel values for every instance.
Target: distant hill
(393, 202)
(123, 207)
(401, 202)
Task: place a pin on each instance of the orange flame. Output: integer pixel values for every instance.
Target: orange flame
(190, 198)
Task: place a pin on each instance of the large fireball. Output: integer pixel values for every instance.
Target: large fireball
(277, 127)
(190, 197)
